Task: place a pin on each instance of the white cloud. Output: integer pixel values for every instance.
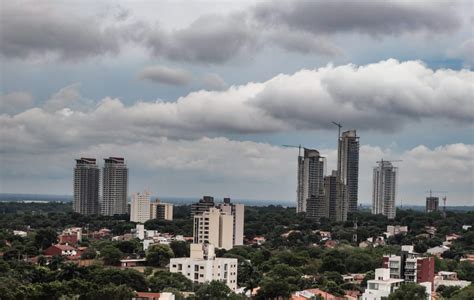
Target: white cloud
(15, 102)
(213, 82)
(382, 96)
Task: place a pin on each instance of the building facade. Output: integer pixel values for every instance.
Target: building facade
(336, 198)
(381, 286)
(203, 266)
(410, 266)
(115, 187)
(237, 211)
(214, 227)
(161, 211)
(140, 207)
(310, 188)
(384, 189)
(348, 166)
(86, 186)
(202, 205)
(432, 204)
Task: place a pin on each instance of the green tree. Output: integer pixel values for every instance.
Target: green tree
(180, 248)
(159, 255)
(273, 289)
(111, 255)
(45, 237)
(90, 253)
(466, 293)
(447, 291)
(213, 290)
(408, 291)
(164, 279)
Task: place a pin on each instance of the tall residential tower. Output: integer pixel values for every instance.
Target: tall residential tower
(384, 189)
(310, 190)
(348, 166)
(86, 186)
(115, 186)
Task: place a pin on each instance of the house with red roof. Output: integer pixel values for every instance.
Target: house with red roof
(60, 250)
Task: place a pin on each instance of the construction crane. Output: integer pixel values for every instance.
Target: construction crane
(293, 146)
(437, 192)
(444, 199)
(339, 125)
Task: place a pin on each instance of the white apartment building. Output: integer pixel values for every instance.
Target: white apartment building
(161, 211)
(140, 207)
(237, 211)
(203, 266)
(382, 286)
(214, 227)
(384, 189)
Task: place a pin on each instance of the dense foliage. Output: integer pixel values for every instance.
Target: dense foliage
(294, 256)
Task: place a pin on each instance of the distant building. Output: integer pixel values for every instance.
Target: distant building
(335, 198)
(234, 212)
(396, 229)
(115, 187)
(140, 207)
(214, 227)
(60, 250)
(432, 204)
(202, 205)
(310, 188)
(70, 236)
(237, 211)
(384, 189)
(348, 166)
(86, 186)
(203, 266)
(449, 279)
(161, 211)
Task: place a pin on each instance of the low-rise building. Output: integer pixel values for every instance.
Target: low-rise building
(395, 229)
(449, 279)
(20, 233)
(313, 293)
(438, 250)
(203, 266)
(382, 286)
(60, 250)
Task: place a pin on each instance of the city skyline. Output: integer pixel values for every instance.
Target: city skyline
(148, 83)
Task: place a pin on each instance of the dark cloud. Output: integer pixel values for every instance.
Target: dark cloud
(166, 75)
(299, 26)
(367, 17)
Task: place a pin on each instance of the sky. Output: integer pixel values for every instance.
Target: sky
(200, 96)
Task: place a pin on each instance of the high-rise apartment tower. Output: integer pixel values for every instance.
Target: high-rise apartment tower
(348, 166)
(310, 190)
(115, 187)
(86, 186)
(384, 189)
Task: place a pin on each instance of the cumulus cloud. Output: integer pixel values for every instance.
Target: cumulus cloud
(382, 96)
(166, 75)
(15, 102)
(213, 82)
(41, 29)
(68, 97)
